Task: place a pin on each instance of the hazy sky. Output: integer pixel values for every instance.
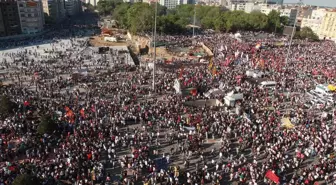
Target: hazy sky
(331, 3)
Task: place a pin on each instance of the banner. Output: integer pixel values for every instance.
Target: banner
(31, 4)
(270, 175)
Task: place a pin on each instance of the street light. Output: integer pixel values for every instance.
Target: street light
(154, 44)
(293, 32)
(194, 21)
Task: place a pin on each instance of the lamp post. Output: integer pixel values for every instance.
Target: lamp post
(154, 44)
(293, 32)
(194, 21)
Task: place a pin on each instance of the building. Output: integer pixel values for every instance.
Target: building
(91, 2)
(247, 7)
(2, 26)
(278, 2)
(171, 4)
(314, 21)
(9, 18)
(291, 13)
(304, 11)
(186, 2)
(55, 9)
(136, 1)
(31, 16)
(223, 3)
(73, 7)
(328, 27)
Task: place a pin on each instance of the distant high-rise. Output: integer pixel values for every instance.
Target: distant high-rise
(328, 27)
(73, 7)
(31, 16)
(9, 18)
(279, 2)
(54, 9)
(170, 4)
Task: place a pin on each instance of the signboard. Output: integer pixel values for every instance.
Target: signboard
(288, 30)
(31, 4)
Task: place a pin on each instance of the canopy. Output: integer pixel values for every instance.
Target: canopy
(286, 123)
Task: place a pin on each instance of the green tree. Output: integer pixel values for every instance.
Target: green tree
(220, 23)
(106, 7)
(306, 33)
(7, 106)
(120, 14)
(89, 7)
(274, 22)
(26, 179)
(140, 18)
(47, 125)
(167, 24)
(207, 19)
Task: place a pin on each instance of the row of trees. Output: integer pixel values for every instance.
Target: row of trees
(139, 17)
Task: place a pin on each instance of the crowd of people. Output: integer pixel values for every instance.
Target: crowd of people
(112, 127)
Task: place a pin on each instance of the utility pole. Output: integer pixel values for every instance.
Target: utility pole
(154, 44)
(293, 32)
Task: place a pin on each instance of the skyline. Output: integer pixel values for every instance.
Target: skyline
(329, 3)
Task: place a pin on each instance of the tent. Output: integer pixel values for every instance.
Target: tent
(286, 123)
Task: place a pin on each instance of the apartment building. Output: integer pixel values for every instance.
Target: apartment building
(247, 7)
(73, 7)
(9, 18)
(291, 13)
(314, 21)
(31, 16)
(170, 4)
(328, 26)
(55, 9)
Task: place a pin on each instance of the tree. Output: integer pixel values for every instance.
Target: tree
(139, 18)
(257, 21)
(167, 24)
(220, 23)
(89, 7)
(7, 107)
(26, 179)
(274, 21)
(306, 33)
(120, 14)
(47, 125)
(106, 7)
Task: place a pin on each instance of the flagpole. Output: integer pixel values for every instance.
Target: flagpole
(154, 44)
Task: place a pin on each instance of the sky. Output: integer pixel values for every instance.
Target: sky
(330, 3)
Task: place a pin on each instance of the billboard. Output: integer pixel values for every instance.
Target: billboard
(31, 4)
(288, 30)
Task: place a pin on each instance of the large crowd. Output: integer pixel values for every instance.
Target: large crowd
(112, 127)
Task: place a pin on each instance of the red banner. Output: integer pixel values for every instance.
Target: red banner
(270, 175)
